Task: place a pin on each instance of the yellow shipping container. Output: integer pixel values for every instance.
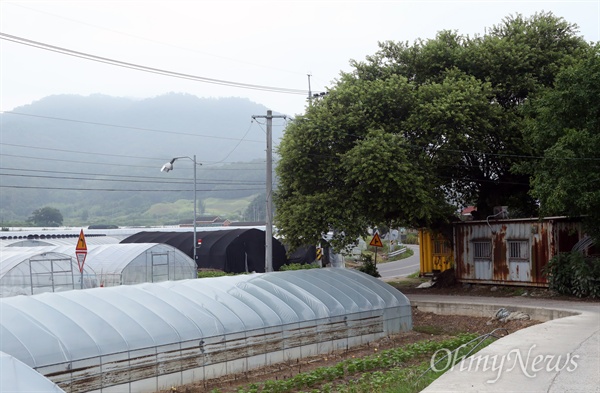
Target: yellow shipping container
(435, 253)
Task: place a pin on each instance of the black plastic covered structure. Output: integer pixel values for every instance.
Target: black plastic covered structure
(232, 250)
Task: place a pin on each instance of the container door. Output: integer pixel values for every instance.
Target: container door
(482, 258)
(519, 263)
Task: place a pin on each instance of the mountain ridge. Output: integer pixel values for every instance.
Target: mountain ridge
(99, 157)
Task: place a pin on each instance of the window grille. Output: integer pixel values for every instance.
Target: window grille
(441, 247)
(518, 250)
(482, 249)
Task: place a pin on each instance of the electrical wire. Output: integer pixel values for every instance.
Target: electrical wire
(139, 67)
(203, 181)
(125, 190)
(127, 127)
(156, 41)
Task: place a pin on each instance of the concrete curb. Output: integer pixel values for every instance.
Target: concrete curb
(560, 355)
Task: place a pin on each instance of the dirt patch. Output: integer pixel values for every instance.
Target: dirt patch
(445, 286)
(426, 326)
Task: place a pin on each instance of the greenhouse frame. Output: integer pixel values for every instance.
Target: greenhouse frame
(34, 270)
(148, 337)
(135, 263)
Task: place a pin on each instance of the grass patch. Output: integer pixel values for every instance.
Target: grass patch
(213, 273)
(404, 370)
(226, 207)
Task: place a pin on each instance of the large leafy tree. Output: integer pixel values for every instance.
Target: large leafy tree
(478, 147)
(46, 217)
(415, 130)
(565, 131)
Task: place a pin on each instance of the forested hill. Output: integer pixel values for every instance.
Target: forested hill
(98, 158)
(121, 125)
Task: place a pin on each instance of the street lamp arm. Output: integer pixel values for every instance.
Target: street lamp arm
(168, 167)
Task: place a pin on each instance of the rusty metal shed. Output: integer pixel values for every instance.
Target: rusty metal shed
(511, 251)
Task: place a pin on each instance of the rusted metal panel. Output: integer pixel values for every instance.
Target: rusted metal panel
(521, 248)
(499, 259)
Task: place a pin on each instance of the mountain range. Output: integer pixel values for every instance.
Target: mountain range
(97, 154)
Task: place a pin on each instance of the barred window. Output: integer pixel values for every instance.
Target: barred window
(518, 250)
(482, 249)
(441, 247)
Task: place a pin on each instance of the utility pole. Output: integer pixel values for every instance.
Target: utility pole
(269, 199)
(309, 91)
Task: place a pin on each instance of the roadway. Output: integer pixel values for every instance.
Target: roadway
(402, 267)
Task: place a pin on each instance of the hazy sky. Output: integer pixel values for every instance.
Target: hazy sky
(265, 43)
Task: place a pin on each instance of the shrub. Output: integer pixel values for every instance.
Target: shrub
(298, 266)
(411, 238)
(368, 266)
(573, 274)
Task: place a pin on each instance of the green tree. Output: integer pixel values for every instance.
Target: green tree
(416, 131)
(46, 217)
(565, 130)
(345, 166)
(477, 140)
(257, 209)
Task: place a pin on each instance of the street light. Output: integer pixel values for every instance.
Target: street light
(169, 167)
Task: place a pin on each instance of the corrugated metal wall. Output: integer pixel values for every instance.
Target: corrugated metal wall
(435, 253)
(511, 252)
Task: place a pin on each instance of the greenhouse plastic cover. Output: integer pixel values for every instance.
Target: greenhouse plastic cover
(24, 267)
(114, 258)
(59, 327)
(16, 377)
(12, 258)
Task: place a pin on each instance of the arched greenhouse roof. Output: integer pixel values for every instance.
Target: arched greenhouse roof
(50, 240)
(30, 270)
(230, 250)
(17, 377)
(12, 258)
(113, 258)
(54, 328)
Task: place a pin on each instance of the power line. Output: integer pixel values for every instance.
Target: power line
(123, 189)
(218, 182)
(120, 165)
(139, 67)
(156, 41)
(127, 127)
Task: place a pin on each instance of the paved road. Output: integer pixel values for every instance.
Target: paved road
(401, 268)
(558, 356)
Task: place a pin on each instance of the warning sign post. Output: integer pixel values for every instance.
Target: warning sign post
(81, 253)
(376, 242)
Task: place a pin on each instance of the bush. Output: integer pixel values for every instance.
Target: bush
(411, 238)
(368, 266)
(212, 273)
(573, 274)
(298, 266)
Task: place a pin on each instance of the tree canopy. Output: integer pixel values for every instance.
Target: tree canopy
(564, 129)
(46, 217)
(417, 131)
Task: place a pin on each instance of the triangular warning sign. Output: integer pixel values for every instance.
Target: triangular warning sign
(376, 242)
(80, 259)
(81, 242)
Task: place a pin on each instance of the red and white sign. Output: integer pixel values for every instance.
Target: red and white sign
(81, 251)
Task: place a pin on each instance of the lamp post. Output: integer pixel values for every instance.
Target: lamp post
(168, 167)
